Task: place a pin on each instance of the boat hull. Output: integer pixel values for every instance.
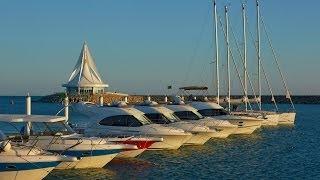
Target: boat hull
(271, 120)
(131, 153)
(88, 162)
(246, 126)
(287, 118)
(224, 132)
(199, 138)
(34, 174)
(170, 142)
(142, 144)
(222, 127)
(26, 167)
(89, 152)
(246, 130)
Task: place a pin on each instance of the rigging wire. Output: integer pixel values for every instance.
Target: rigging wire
(235, 64)
(248, 75)
(277, 63)
(263, 71)
(197, 45)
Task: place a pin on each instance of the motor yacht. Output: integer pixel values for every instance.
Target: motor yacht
(21, 162)
(53, 134)
(161, 115)
(119, 119)
(245, 124)
(186, 112)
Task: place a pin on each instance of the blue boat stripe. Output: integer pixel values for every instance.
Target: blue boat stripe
(86, 153)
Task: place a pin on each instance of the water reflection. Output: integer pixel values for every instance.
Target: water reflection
(79, 174)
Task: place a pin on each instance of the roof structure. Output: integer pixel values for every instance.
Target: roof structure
(85, 73)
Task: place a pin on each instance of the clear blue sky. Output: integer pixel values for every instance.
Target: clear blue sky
(141, 46)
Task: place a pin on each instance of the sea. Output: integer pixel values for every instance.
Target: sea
(282, 152)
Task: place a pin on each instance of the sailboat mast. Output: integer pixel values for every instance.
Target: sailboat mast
(258, 52)
(228, 56)
(245, 57)
(216, 50)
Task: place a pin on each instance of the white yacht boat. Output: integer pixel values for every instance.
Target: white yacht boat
(161, 115)
(53, 134)
(123, 120)
(20, 162)
(187, 113)
(245, 124)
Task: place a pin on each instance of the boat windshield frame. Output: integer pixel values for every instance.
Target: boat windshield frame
(64, 129)
(198, 115)
(172, 117)
(143, 119)
(164, 119)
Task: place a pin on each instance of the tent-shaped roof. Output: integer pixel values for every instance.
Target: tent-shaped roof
(85, 73)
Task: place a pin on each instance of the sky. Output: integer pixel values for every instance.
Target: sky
(142, 46)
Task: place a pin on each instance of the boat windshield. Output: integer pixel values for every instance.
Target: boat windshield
(212, 112)
(51, 129)
(158, 118)
(125, 120)
(188, 115)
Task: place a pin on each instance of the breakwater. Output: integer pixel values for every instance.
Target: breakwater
(109, 98)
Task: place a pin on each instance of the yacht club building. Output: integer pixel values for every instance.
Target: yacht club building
(85, 78)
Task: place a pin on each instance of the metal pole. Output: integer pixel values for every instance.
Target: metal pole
(27, 130)
(66, 107)
(259, 53)
(228, 57)
(245, 57)
(217, 50)
(101, 100)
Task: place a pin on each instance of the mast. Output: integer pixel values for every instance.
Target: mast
(245, 57)
(259, 53)
(216, 50)
(228, 57)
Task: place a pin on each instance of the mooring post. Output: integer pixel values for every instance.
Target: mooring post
(27, 130)
(165, 99)
(66, 107)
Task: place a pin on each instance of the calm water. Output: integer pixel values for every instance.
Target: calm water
(281, 153)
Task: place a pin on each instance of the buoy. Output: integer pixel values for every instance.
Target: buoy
(101, 100)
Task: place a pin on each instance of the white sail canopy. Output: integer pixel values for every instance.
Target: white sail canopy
(85, 73)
